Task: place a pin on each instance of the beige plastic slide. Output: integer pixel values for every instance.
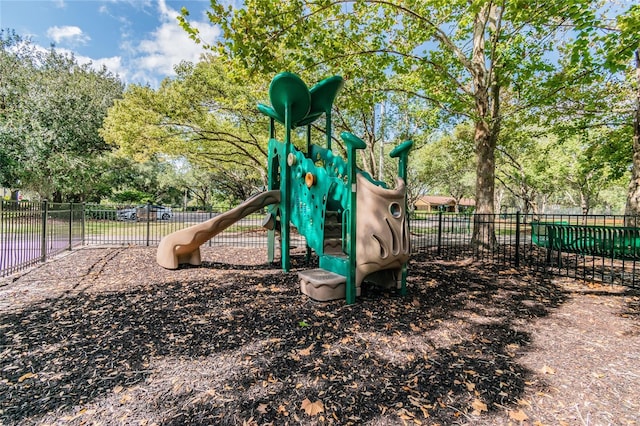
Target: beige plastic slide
(183, 246)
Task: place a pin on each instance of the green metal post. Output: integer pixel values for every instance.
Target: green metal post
(353, 143)
(351, 279)
(402, 153)
(286, 192)
(271, 233)
(328, 128)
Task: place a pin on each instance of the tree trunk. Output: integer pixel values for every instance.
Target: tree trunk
(585, 205)
(632, 208)
(484, 227)
(487, 105)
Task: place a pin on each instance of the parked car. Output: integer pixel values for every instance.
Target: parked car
(140, 212)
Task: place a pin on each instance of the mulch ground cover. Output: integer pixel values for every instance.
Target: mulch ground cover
(105, 336)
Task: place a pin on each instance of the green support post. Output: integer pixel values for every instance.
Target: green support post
(353, 143)
(402, 153)
(286, 194)
(291, 101)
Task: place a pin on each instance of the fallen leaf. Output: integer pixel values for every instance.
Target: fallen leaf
(478, 406)
(519, 415)
(282, 410)
(306, 351)
(524, 403)
(262, 408)
(547, 370)
(312, 408)
(425, 411)
(26, 376)
(118, 389)
(470, 386)
(405, 415)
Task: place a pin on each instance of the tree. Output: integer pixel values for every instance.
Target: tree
(51, 109)
(621, 44)
(476, 60)
(586, 169)
(632, 207)
(206, 115)
(446, 164)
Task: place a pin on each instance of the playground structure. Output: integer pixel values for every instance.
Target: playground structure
(357, 226)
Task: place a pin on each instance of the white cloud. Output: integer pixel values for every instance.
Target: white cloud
(68, 34)
(147, 60)
(113, 64)
(169, 44)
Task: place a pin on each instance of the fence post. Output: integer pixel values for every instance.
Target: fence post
(148, 222)
(70, 226)
(439, 232)
(518, 238)
(210, 216)
(43, 242)
(84, 223)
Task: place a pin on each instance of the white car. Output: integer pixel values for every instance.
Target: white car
(134, 213)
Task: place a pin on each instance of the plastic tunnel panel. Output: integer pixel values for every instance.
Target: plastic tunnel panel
(183, 246)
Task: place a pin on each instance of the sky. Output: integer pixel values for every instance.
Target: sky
(139, 40)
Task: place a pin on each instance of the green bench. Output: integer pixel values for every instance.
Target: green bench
(618, 242)
(540, 232)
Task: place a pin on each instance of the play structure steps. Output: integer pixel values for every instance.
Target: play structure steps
(322, 285)
(333, 234)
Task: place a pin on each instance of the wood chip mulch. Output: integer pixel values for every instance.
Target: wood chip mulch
(105, 336)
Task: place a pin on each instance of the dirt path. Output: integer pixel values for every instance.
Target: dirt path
(106, 336)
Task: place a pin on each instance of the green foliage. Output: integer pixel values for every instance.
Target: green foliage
(131, 196)
(457, 60)
(206, 115)
(51, 109)
(446, 165)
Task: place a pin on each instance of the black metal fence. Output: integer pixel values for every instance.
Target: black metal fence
(31, 232)
(592, 248)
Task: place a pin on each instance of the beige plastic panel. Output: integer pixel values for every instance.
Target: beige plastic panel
(382, 228)
(183, 246)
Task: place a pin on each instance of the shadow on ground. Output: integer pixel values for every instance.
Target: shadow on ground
(448, 349)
